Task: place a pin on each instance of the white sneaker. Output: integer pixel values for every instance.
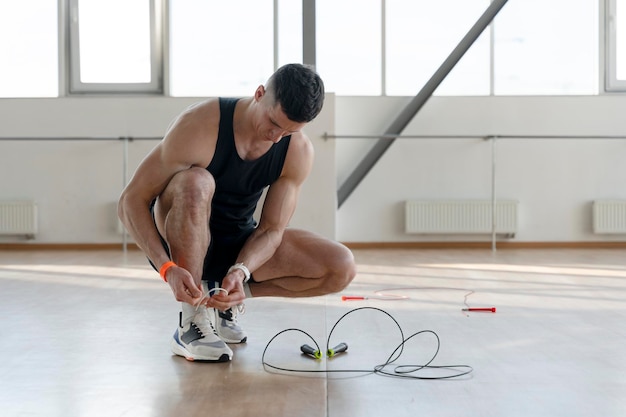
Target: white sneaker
(227, 327)
(196, 339)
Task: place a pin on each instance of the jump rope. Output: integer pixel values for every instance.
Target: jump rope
(384, 294)
(389, 367)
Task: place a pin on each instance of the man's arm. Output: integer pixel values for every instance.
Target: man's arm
(278, 208)
(180, 149)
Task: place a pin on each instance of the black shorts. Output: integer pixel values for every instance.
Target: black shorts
(221, 254)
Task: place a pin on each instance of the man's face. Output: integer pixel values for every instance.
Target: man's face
(276, 125)
(273, 123)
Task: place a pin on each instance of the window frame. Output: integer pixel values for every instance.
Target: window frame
(51, 85)
(154, 86)
(69, 53)
(611, 82)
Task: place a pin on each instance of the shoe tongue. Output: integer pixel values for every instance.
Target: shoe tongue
(202, 320)
(197, 314)
(201, 314)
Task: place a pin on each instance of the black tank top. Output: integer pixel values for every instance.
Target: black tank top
(240, 183)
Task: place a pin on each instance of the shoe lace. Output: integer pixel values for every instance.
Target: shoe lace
(230, 314)
(203, 323)
(208, 294)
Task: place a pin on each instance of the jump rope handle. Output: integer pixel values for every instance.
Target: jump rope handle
(310, 351)
(351, 297)
(341, 347)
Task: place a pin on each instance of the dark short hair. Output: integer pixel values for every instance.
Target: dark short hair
(299, 90)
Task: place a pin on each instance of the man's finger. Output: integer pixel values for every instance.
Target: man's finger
(224, 302)
(193, 290)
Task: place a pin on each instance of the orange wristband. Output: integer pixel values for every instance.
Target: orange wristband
(167, 265)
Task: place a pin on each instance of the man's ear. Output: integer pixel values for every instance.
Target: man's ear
(260, 92)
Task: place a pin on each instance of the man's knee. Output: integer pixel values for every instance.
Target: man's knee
(342, 270)
(190, 191)
(193, 180)
(193, 185)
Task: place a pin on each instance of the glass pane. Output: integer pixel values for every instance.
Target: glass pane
(421, 34)
(289, 32)
(620, 39)
(218, 50)
(348, 46)
(114, 41)
(29, 48)
(547, 47)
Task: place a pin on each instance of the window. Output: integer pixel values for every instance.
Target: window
(349, 46)
(421, 35)
(229, 48)
(115, 46)
(616, 46)
(220, 47)
(29, 48)
(533, 48)
(364, 47)
(289, 32)
(546, 48)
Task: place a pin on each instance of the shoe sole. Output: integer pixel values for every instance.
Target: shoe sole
(181, 351)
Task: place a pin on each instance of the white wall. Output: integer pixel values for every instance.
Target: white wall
(76, 184)
(555, 180)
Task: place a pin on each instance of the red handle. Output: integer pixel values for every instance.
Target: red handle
(351, 297)
(492, 309)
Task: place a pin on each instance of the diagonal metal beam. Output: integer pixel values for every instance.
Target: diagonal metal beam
(409, 112)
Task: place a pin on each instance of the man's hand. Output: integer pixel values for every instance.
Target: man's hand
(233, 283)
(183, 285)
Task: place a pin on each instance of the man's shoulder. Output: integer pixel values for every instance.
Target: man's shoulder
(194, 133)
(300, 143)
(202, 116)
(299, 156)
(201, 107)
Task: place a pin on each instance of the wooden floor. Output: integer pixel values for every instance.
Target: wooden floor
(86, 333)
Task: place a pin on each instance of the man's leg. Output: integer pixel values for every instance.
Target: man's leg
(304, 265)
(182, 216)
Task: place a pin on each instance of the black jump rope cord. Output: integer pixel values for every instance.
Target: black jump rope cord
(396, 371)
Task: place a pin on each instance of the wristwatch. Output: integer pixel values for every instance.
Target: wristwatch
(242, 268)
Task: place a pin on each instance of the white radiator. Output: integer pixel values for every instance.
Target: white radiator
(609, 216)
(460, 216)
(18, 218)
